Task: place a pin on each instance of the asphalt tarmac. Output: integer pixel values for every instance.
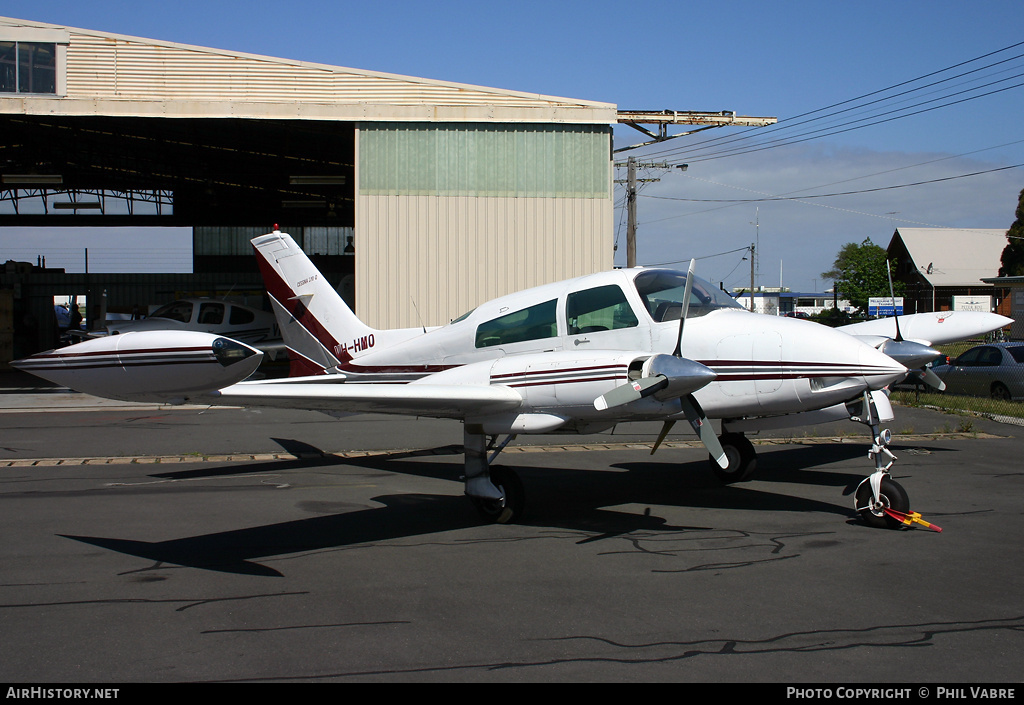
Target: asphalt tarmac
(147, 545)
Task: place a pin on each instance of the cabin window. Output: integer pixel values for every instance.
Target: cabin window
(28, 67)
(598, 309)
(241, 316)
(180, 311)
(533, 323)
(211, 314)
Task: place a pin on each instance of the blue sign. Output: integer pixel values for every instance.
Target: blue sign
(883, 306)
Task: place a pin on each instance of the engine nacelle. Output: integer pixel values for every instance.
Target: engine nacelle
(147, 366)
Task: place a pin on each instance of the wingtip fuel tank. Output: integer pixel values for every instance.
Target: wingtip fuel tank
(147, 366)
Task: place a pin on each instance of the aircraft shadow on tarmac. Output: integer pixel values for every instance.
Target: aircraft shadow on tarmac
(560, 497)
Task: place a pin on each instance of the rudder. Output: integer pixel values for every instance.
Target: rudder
(316, 324)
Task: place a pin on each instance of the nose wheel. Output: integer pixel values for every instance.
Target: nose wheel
(871, 503)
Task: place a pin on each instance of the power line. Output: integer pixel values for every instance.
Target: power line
(830, 195)
(787, 123)
(694, 152)
(823, 132)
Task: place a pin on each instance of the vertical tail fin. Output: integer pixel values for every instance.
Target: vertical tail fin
(318, 327)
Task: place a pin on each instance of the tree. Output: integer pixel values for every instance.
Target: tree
(1011, 263)
(860, 272)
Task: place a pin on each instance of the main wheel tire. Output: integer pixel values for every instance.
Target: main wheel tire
(508, 509)
(891, 496)
(741, 456)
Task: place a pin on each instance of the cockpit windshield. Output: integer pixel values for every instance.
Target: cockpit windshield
(662, 292)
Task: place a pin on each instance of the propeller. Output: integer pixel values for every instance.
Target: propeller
(892, 295)
(911, 355)
(667, 377)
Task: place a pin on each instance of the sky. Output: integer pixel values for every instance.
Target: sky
(913, 110)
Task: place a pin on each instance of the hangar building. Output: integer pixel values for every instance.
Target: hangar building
(418, 198)
(450, 194)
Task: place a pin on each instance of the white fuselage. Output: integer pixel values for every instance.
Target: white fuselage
(766, 365)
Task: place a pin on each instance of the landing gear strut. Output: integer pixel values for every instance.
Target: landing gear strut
(496, 493)
(878, 492)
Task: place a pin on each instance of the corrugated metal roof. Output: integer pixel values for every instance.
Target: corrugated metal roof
(954, 256)
(113, 67)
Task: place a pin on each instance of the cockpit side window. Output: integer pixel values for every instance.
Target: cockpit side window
(598, 309)
(662, 293)
(240, 316)
(180, 311)
(211, 314)
(533, 323)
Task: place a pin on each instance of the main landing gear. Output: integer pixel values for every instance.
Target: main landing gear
(742, 457)
(497, 493)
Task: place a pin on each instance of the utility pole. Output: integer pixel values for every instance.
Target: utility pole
(631, 165)
(663, 119)
(631, 212)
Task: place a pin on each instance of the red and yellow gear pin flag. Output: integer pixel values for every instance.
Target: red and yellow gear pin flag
(911, 518)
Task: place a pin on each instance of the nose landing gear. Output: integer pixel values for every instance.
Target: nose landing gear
(879, 499)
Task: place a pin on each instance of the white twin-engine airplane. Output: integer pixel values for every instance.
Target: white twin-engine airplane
(576, 356)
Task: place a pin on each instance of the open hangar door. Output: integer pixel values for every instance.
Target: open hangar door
(227, 179)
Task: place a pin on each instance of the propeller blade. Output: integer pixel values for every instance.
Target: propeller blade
(624, 394)
(892, 295)
(686, 305)
(928, 377)
(933, 380)
(702, 427)
(664, 432)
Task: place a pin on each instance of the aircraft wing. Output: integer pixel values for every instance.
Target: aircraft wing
(935, 328)
(452, 401)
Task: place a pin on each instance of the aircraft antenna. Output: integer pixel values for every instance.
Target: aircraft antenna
(417, 309)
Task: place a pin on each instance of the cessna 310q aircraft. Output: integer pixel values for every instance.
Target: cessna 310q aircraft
(576, 356)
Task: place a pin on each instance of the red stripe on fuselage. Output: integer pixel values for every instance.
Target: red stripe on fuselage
(555, 371)
(57, 355)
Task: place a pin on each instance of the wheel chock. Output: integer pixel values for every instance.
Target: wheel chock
(911, 518)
